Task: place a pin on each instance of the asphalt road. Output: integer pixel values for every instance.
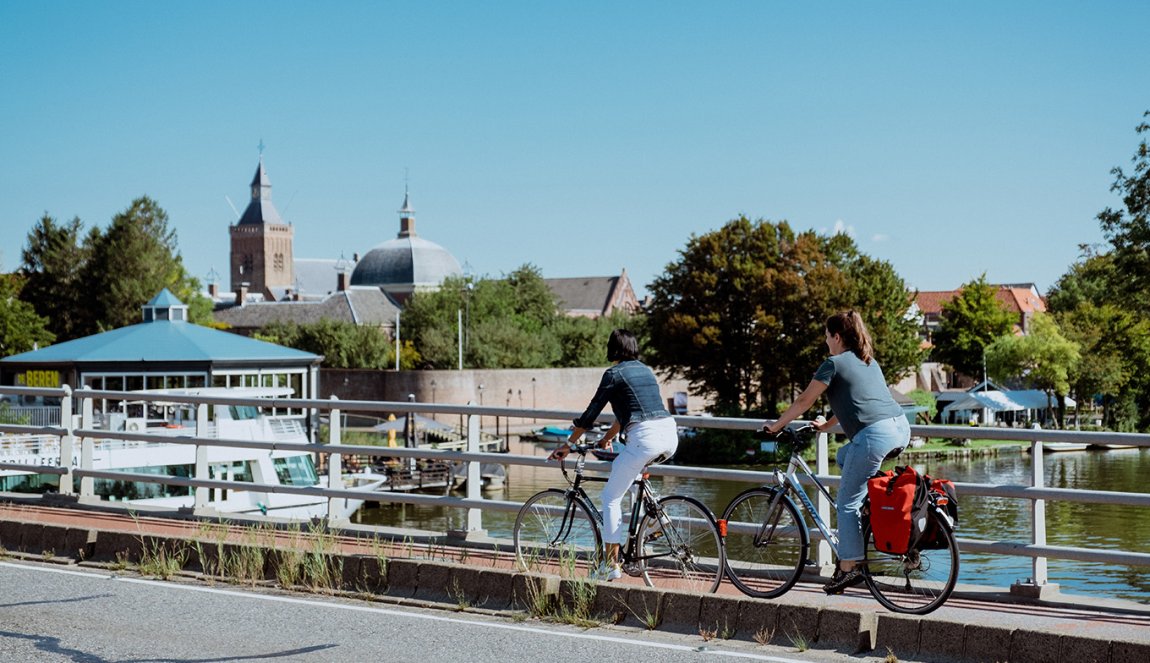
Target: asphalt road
(50, 613)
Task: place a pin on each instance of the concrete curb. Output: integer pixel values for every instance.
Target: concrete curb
(496, 591)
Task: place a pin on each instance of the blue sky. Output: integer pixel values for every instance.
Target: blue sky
(950, 139)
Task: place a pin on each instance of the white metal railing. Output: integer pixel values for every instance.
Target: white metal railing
(81, 428)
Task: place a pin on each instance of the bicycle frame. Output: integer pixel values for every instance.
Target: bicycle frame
(788, 482)
(644, 498)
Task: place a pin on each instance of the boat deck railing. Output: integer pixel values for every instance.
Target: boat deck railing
(78, 432)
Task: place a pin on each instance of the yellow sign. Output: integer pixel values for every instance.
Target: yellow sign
(40, 379)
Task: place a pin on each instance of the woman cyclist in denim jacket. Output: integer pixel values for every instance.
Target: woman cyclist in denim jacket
(633, 392)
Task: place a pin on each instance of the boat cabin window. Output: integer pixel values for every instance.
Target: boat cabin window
(296, 471)
(241, 412)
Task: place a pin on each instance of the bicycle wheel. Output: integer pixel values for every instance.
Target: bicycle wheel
(919, 581)
(556, 534)
(680, 547)
(767, 542)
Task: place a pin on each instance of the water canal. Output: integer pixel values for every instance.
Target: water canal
(983, 518)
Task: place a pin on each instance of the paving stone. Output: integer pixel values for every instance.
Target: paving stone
(528, 590)
(899, 634)
(11, 535)
(644, 608)
(610, 604)
(433, 582)
(492, 589)
(758, 622)
(111, 546)
(1129, 652)
(679, 613)
(939, 640)
(1083, 650)
(797, 624)
(1033, 647)
(986, 643)
(847, 630)
(402, 577)
(721, 615)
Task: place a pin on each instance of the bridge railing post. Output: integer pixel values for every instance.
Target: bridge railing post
(203, 472)
(1037, 586)
(474, 477)
(334, 462)
(823, 556)
(67, 443)
(87, 446)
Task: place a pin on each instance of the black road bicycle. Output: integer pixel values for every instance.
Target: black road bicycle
(673, 542)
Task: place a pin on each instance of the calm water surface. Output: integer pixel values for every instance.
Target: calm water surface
(983, 518)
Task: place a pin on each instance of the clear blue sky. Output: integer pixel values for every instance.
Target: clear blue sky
(948, 138)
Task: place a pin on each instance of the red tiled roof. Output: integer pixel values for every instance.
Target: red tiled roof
(1016, 300)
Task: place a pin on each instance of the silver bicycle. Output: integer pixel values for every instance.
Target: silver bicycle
(768, 541)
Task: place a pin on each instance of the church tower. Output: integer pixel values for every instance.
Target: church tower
(261, 258)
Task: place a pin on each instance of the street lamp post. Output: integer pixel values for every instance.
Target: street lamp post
(481, 405)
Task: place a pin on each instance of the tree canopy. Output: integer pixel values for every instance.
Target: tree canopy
(512, 322)
(1102, 302)
(971, 321)
(100, 282)
(21, 328)
(342, 344)
(741, 313)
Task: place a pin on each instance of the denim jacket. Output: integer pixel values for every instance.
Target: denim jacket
(631, 389)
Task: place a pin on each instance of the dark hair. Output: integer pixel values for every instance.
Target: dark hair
(622, 346)
(849, 325)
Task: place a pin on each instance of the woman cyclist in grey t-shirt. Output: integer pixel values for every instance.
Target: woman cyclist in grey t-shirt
(872, 420)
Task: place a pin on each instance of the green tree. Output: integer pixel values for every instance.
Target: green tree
(342, 344)
(135, 258)
(1128, 229)
(512, 322)
(53, 264)
(1043, 358)
(741, 313)
(1114, 344)
(925, 399)
(21, 328)
(970, 322)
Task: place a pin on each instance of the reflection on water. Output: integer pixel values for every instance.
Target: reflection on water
(1094, 526)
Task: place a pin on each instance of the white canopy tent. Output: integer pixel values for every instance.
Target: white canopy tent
(994, 400)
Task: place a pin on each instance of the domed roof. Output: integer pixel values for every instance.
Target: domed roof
(407, 263)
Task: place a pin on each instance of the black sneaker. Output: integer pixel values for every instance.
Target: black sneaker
(843, 579)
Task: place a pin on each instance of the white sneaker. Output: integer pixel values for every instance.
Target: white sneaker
(607, 572)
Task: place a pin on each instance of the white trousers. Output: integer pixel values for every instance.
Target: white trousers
(646, 441)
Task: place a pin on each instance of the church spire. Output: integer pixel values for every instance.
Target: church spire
(406, 215)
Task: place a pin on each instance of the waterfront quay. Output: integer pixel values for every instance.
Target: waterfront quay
(473, 575)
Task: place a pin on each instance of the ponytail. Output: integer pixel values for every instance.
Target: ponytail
(849, 325)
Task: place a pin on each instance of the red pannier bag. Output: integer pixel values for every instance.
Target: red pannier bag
(946, 498)
(892, 500)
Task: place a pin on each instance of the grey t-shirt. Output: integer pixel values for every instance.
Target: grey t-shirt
(857, 392)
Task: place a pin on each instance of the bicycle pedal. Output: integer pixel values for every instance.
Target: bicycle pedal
(633, 569)
(653, 536)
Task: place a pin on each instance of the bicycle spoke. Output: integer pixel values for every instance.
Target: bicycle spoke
(767, 543)
(555, 535)
(917, 582)
(680, 547)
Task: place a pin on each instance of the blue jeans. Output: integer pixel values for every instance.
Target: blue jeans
(858, 461)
